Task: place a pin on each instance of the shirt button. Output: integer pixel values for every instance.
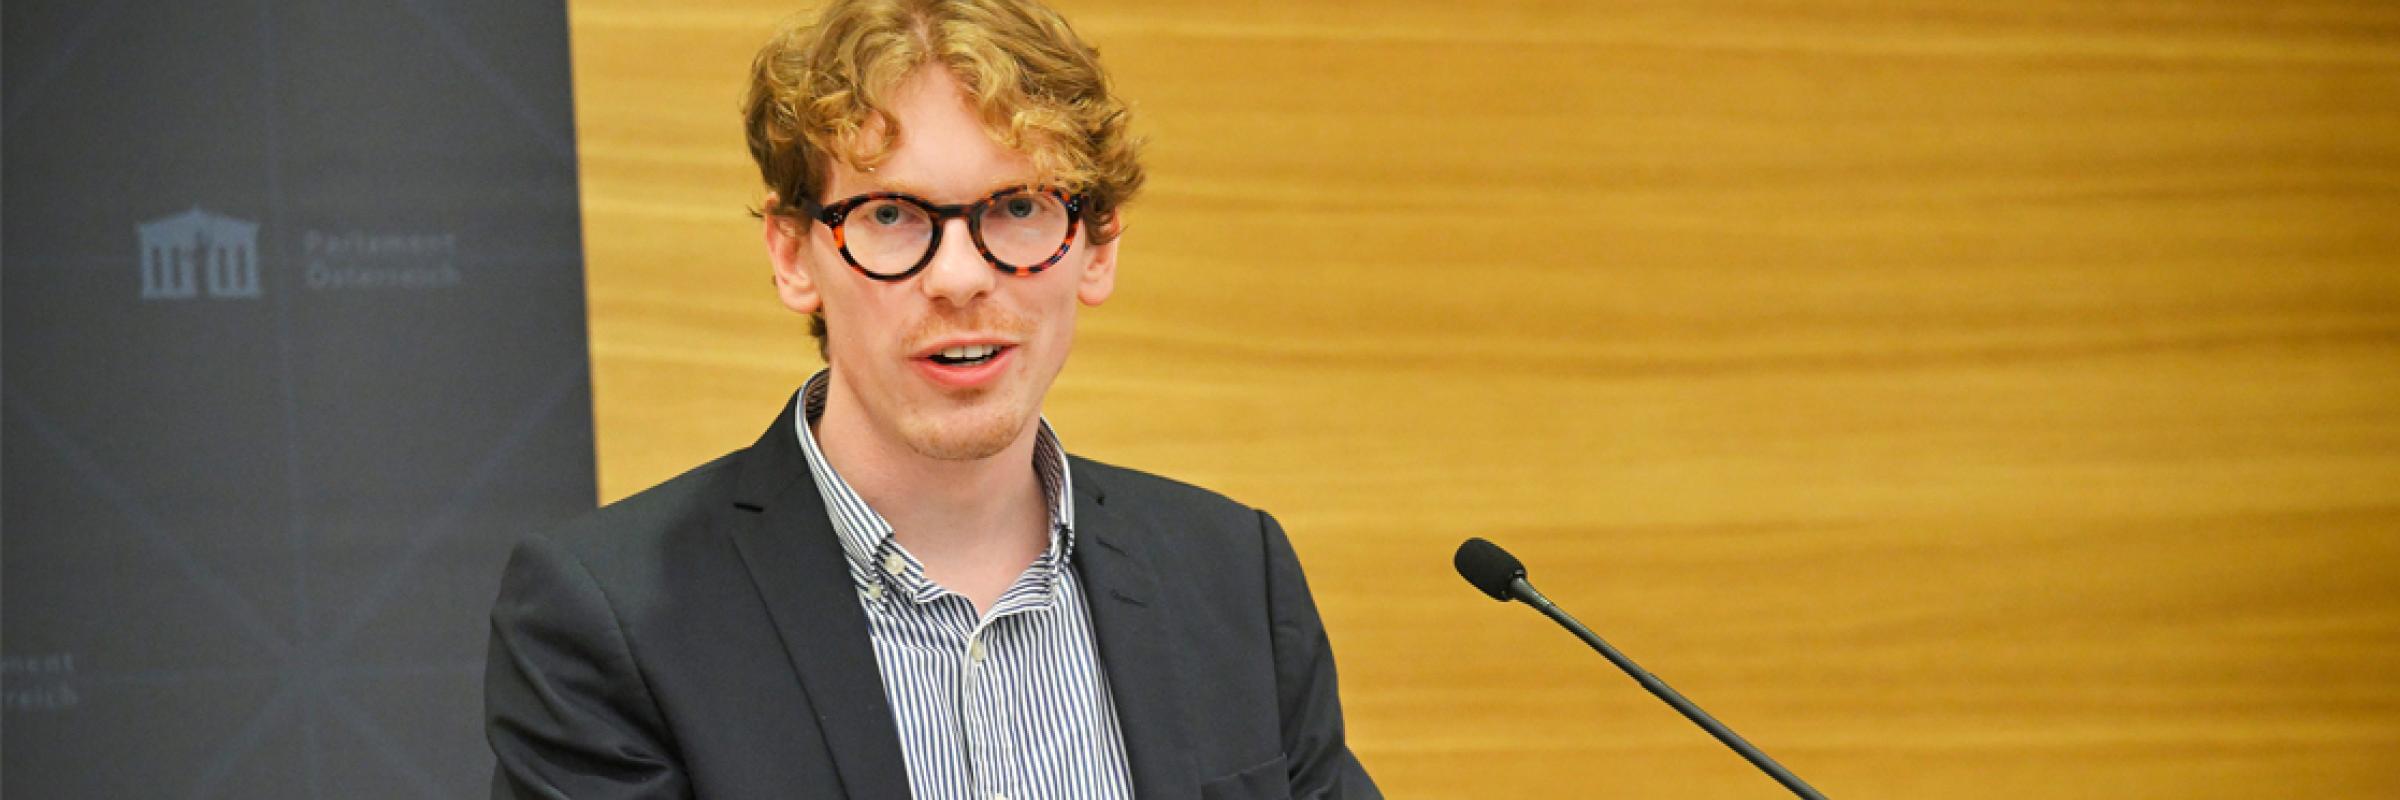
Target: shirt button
(874, 591)
(894, 564)
(975, 652)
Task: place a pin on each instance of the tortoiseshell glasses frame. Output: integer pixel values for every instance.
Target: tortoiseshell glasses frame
(836, 217)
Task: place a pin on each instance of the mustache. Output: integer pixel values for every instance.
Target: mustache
(980, 320)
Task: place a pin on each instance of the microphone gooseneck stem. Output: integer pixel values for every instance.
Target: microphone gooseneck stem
(1524, 591)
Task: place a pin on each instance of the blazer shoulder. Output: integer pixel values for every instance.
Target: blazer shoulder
(1141, 494)
(641, 523)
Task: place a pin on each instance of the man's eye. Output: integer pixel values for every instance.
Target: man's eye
(1019, 207)
(886, 214)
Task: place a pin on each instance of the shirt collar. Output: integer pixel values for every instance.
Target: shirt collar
(878, 563)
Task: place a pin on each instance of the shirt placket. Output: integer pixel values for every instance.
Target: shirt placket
(990, 733)
(993, 658)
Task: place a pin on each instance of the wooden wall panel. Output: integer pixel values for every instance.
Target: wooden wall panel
(1961, 399)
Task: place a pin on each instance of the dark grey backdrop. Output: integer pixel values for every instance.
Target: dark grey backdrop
(293, 348)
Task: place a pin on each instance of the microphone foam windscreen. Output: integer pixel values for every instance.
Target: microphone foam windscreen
(1487, 566)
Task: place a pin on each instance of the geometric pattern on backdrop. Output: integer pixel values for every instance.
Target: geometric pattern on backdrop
(293, 350)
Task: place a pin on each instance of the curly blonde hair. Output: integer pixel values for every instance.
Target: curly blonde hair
(1039, 88)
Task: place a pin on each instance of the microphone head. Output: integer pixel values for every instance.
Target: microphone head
(1488, 567)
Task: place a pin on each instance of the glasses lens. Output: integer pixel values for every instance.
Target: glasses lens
(885, 236)
(1024, 229)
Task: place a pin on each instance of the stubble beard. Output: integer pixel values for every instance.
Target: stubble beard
(966, 435)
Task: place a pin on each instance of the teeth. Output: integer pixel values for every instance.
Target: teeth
(970, 352)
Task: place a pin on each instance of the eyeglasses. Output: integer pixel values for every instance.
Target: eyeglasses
(889, 236)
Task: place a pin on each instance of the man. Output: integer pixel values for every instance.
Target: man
(906, 587)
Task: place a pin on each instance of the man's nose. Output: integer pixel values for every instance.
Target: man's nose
(958, 272)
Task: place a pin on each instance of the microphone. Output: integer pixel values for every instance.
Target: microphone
(1502, 576)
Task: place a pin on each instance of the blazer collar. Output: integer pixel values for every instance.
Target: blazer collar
(1131, 621)
(779, 525)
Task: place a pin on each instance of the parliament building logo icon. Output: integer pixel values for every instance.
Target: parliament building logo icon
(195, 251)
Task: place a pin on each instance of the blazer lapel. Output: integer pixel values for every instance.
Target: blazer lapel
(1129, 619)
(779, 525)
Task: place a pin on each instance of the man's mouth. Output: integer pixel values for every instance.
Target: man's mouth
(966, 355)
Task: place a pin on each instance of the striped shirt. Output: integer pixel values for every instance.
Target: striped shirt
(1009, 706)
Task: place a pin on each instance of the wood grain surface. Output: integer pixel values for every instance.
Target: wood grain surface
(1961, 399)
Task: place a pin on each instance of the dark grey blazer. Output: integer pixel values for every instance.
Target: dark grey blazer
(703, 639)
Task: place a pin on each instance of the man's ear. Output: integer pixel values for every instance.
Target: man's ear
(787, 243)
(1099, 278)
